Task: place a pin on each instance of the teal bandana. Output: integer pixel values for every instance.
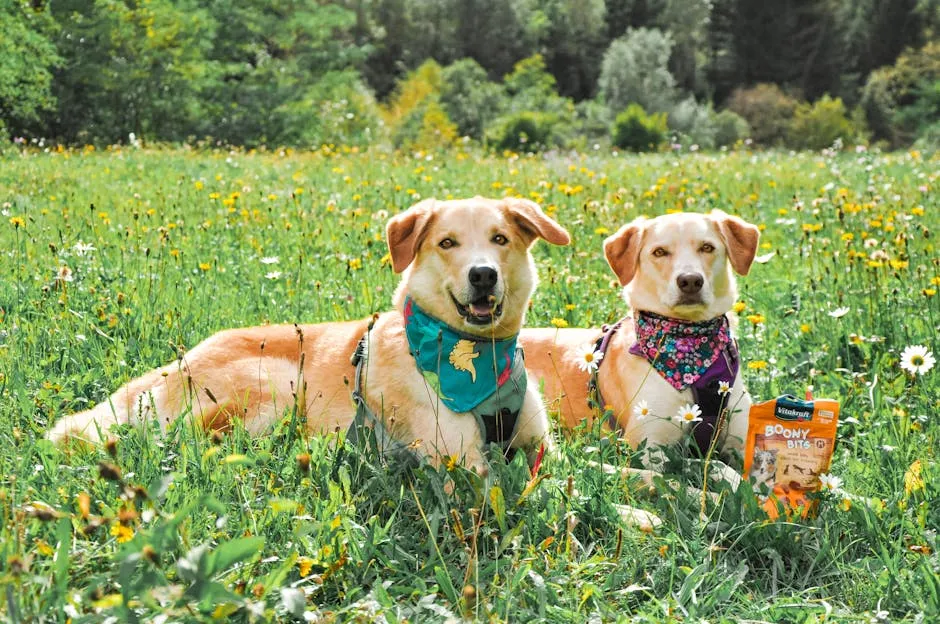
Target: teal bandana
(463, 370)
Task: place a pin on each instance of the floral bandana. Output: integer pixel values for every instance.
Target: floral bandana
(682, 352)
(463, 370)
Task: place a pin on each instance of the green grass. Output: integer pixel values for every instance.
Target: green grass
(226, 528)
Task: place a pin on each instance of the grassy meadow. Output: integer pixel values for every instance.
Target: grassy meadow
(111, 261)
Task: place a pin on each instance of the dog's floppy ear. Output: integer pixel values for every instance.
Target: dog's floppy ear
(405, 232)
(532, 221)
(740, 238)
(622, 249)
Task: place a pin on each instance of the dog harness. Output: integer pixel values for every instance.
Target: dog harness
(482, 377)
(695, 355)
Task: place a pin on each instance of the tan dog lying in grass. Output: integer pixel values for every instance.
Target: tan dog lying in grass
(465, 266)
(678, 283)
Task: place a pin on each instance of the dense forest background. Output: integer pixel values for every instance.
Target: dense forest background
(514, 74)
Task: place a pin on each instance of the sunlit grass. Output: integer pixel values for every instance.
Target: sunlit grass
(110, 262)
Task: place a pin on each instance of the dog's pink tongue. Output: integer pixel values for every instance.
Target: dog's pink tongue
(480, 309)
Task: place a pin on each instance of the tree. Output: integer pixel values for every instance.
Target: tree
(129, 67)
(634, 70)
(27, 58)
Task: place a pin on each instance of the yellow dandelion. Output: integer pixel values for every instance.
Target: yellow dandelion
(570, 306)
(355, 264)
(601, 230)
(204, 266)
(805, 328)
(214, 195)
(122, 533)
(929, 292)
(756, 319)
(305, 565)
(559, 322)
(757, 365)
(739, 307)
(899, 264)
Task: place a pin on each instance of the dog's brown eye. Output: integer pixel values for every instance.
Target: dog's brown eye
(659, 252)
(447, 243)
(707, 248)
(499, 239)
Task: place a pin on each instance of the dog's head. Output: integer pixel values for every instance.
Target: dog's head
(680, 265)
(467, 263)
(764, 464)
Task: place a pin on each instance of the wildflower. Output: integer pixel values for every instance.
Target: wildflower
(122, 533)
(755, 319)
(689, 413)
(739, 307)
(587, 358)
(82, 249)
(305, 564)
(17, 222)
(805, 328)
(64, 274)
(839, 312)
(913, 480)
(204, 266)
(830, 482)
(273, 275)
(757, 365)
(929, 292)
(724, 388)
(917, 359)
(355, 264)
(270, 260)
(559, 322)
(641, 410)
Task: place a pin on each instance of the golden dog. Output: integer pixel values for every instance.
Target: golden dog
(679, 267)
(464, 263)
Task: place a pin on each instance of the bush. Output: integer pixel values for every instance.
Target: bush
(899, 102)
(695, 123)
(766, 109)
(638, 132)
(527, 131)
(730, 128)
(635, 69)
(469, 98)
(817, 126)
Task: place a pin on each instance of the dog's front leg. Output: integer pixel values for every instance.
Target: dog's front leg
(449, 437)
(532, 428)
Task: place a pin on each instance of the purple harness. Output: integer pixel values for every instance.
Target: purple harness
(687, 355)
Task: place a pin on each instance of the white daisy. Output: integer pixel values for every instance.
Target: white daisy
(641, 410)
(724, 388)
(270, 260)
(587, 358)
(81, 248)
(273, 275)
(689, 413)
(917, 359)
(830, 482)
(839, 312)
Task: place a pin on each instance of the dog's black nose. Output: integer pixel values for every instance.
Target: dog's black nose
(483, 277)
(690, 283)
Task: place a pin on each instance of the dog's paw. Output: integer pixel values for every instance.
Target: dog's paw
(643, 520)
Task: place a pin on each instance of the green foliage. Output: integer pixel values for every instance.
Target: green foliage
(240, 530)
(818, 125)
(414, 114)
(730, 128)
(635, 70)
(27, 58)
(899, 101)
(526, 131)
(636, 131)
(767, 110)
(469, 98)
(130, 68)
(694, 122)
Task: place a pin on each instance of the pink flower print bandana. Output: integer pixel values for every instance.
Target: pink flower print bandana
(682, 352)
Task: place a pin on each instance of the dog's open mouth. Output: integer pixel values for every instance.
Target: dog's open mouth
(481, 311)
